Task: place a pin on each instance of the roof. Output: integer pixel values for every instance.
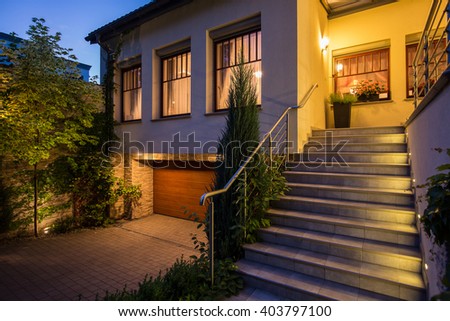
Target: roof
(134, 19)
(10, 37)
(339, 8)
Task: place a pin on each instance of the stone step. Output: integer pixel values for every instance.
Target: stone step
(364, 250)
(300, 287)
(378, 138)
(340, 225)
(359, 194)
(359, 210)
(360, 130)
(345, 179)
(396, 283)
(313, 146)
(351, 168)
(359, 157)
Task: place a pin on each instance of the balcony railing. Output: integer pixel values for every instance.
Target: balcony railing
(432, 58)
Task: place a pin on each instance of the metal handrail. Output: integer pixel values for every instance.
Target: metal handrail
(230, 182)
(438, 21)
(241, 169)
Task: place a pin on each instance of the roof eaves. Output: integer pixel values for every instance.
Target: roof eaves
(134, 19)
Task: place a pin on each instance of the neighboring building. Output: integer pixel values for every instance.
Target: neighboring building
(173, 75)
(8, 39)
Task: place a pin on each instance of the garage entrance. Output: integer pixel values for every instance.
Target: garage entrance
(177, 191)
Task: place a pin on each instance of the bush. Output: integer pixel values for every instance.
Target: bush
(187, 280)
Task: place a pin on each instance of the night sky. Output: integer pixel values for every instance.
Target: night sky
(74, 19)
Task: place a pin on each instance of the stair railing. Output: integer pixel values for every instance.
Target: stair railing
(432, 57)
(275, 142)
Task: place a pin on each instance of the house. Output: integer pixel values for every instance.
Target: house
(8, 39)
(173, 74)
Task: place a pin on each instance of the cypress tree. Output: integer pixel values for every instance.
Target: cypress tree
(238, 140)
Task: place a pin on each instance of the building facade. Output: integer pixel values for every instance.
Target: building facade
(173, 72)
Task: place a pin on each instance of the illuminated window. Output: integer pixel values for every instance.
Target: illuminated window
(370, 66)
(176, 84)
(131, 94)
(227, 53)
(436, 66)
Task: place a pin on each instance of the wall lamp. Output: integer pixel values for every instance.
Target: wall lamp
(324, 42)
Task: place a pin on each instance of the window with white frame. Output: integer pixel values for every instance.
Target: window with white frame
(131, 94)
(176, 84)
(368, 70)
(227, 56)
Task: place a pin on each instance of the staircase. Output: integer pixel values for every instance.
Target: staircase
(346, 229)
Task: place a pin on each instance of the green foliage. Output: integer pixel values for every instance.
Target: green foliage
(240, 137)
(265, 183)
(45, 108)
(436, 217)
(185, 280)
(342, 98)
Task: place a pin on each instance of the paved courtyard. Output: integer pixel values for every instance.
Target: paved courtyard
(84, 264)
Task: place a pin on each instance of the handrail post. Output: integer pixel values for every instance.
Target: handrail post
(288, 138)
(447, 9)
(211, 242)
(426, 63)
(270, 151)
(245, 202)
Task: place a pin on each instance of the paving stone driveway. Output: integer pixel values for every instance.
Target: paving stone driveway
(83, 264)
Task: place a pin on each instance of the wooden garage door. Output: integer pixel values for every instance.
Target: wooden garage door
(176, 190)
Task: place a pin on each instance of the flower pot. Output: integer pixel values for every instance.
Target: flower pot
(342, 115)
(363, 97)
(374, 97)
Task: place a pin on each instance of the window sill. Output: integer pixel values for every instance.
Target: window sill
(219, 112)
(374, 102)
(225, 111)
(128, 122)
(172, 117)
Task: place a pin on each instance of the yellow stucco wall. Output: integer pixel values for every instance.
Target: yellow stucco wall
(312, 25)
(389, 22)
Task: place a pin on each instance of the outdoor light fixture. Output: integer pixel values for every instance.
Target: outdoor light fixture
(426, 266)
(258, 74)
(324, 42)
(339, 68)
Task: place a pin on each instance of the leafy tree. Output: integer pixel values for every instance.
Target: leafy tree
(45, 107)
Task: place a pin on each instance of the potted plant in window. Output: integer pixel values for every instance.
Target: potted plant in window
(342, 104)
(369, 90)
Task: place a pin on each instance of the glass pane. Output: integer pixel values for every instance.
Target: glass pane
(376, 61)
(139, 75)
(183, 65)
(259, 46)
(223, 84)
(384, 60)
(252, 46)
(179, 66)
(369, 63)
(188, 64)
(245, 41)
(232, 52)
(238, 48)
(353, 66)
(346, 67)
(226, 55)
(219, 55)
(360, 64)
(164, 70)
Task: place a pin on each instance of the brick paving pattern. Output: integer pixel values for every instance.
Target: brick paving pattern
(84, 264)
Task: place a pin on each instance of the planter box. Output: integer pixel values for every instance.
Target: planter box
(342, 115)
